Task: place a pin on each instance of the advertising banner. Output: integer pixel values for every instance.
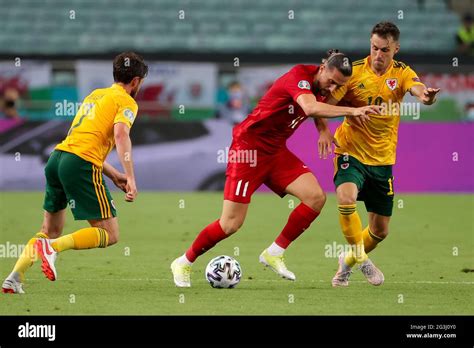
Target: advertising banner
(26, 76)
(184, 91)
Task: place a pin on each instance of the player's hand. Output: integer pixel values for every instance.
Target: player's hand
(120, 180)
(429, 95)
(326, 139)
(364, 112)
(131, 190)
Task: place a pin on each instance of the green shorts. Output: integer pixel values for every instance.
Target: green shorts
(79, 183)
(375, 183)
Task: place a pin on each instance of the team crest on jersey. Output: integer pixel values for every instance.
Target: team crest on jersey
(303, 84)
(129, 114)
(391, 83)
(345, 165)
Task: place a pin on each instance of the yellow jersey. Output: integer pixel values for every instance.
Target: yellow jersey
(91, 135)
(375, 142)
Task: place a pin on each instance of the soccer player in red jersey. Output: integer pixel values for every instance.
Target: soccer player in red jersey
(258, 155)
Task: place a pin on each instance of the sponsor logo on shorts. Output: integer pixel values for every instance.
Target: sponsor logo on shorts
(303, 84)
(345, 165)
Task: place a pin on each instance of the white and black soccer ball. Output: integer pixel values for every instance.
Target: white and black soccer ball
(223, 272)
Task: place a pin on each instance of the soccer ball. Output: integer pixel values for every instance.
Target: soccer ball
(223, 272)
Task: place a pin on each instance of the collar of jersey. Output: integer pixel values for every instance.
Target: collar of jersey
(368, 67)
(117, 86)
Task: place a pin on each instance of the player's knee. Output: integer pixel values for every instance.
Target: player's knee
(345, 198)
(316, 199)
(231, 225)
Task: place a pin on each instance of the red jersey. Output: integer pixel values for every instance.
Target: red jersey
(277, 114)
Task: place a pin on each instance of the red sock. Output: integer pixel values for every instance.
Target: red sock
(300, 219)
(208, 237)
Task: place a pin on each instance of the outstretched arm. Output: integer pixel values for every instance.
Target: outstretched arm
(313, 108)
(425, 95)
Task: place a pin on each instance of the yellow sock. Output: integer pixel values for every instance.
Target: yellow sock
(370, 243)
(28, 255)
(370, 240)
(352, 229)
(85, 238)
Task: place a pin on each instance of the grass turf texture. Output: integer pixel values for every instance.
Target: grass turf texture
(133, 277)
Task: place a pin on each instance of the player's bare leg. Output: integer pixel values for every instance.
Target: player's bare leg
(111, 226)
(379, 228)
(232, 218)
(52, 227)
(307, 189)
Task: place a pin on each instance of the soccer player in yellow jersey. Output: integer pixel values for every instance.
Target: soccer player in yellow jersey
(74, 173)
(365, 151)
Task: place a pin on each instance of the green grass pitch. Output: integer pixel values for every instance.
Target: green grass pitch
(428, 261)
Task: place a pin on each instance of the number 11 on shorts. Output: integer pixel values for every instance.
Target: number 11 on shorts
(239, 185)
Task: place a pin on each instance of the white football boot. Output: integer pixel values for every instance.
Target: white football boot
(277, 264)
(13, 285)
(181, 273)
(373, 275)
(48, 257)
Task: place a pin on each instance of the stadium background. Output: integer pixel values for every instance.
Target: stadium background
(54, 52)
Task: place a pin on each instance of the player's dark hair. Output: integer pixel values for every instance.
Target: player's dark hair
(340, 61)
(386, 29)
(128, 65)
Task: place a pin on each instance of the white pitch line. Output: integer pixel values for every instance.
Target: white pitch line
(251, 280)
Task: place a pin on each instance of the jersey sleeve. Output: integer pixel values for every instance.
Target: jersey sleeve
(410, 79)
(126, 113)
(297, 83)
